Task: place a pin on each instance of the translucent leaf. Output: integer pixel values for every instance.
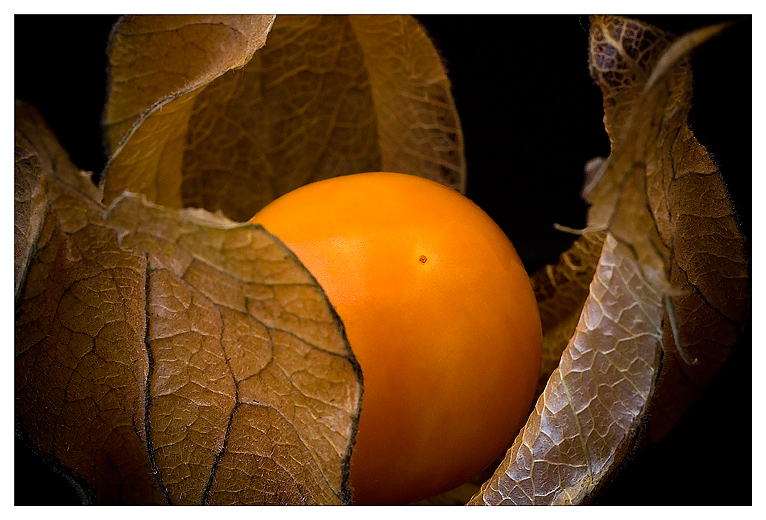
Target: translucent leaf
(326, 96)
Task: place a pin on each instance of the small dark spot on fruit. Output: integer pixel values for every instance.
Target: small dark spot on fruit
(423, 259)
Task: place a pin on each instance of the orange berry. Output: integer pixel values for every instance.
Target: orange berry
(441, 317)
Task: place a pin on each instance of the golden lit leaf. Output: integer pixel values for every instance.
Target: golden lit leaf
(418, 126)
(158, 66)
(152, 58)
(326, 96)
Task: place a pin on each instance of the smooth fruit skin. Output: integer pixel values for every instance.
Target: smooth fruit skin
(441, 317)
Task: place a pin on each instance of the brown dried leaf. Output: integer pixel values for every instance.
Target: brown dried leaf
(238, 327)
(692, 222)
(647, 91)
(186, 359)
(37, 152)
(30, 202)
(81, 363)
(152, 58)
(158, 66)
(51, 155)
(326, 96)
(582, 424)
(561, 290)
(645, 195)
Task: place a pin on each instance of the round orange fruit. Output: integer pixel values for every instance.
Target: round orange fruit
(440, 314)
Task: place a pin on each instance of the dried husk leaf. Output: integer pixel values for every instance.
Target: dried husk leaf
(594, 402)
(693, 221)
(418, 127)
(158, 65)
(80, 359)
(561, 290)
(238, 327)
(326, 96)
(53, 158)
(154, 57)
(184, 360)
(591, 405)
(30, 201)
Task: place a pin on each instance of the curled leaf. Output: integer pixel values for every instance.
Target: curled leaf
(646, 81)
(595, 401)
(692, 222)
(153, 58)
(584, 419)
(561, 290)
(326, 96)
(158, 66)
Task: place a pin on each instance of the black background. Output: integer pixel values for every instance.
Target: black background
(531, 118)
